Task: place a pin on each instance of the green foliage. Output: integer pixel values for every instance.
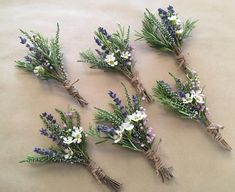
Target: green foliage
(154, 33)
(70, 139)
(44, 58)
(112, 124)
(115, 44)
(37, 159)
(129, 100)
(188, 27)
(165, 95)
(102, 116)
(159, 32)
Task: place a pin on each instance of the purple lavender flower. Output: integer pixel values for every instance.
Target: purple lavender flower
(135, 102)
(27, 58)
(103, 31)
(171, 9)
(22, 40)
(98, 52)
(49, 117)
(181, 94)
(162, 13)
(112, 94)
(43, 151)
(105, 129)
(118, 102)
(43, 131)
(44, 114)
(98, 42)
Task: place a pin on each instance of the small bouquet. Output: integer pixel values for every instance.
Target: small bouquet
(189, 101)
(127, 127)
(44, 60)
(167, 33)
(116, 56)
(71, 146)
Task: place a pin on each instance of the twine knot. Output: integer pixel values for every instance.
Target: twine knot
(73, 91)
(214, 129)
(180, 59)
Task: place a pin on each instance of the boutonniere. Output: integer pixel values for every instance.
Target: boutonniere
(115, 54)
(45, 60)
(71, 146)
(126, 126)
(166, 33)
(189, 101)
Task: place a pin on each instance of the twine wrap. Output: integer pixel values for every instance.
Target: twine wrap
(214, 131)
(73, 91)
(161, 170)
(181, 60)
(101, 177)
(140, 88)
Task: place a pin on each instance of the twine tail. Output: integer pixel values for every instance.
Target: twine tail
(101, 177)
(74, 92)
(214, 131)
(164, 172)
(140, 89)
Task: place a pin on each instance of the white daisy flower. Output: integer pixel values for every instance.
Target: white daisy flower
(188, 98)
(111, 60)
(77, 134)
(126, 126)
(117, 137)
(125, 55)
(137, 116)
(68, 140)
(198, 96)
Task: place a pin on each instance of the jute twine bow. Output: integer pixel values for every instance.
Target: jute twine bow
(73, 91)
(214, 131)
(164, 172)
(101, 177)
(140, 88)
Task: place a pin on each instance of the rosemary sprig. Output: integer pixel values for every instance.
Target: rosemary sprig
(45, 60)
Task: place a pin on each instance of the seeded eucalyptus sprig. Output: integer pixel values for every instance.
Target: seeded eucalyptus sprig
(71, 145)
(166, 32)
(115, 55)
(45, 60)
(189, 101)
(126, 126)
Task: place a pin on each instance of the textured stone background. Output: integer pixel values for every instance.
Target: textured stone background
(199, 164)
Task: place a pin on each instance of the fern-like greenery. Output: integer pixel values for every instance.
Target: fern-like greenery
(167, 32)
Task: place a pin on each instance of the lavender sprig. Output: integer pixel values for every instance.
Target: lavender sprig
(45, 60)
